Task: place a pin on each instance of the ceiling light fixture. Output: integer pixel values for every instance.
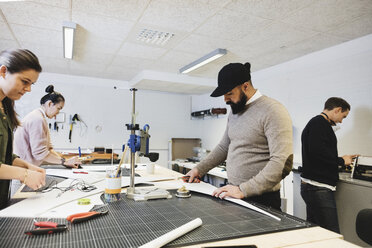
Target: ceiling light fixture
(68, 39)
(203, 60)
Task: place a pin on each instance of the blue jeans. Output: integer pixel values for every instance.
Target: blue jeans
(320, 206)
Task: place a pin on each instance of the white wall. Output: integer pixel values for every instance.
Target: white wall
(304, 84)
(99, 104)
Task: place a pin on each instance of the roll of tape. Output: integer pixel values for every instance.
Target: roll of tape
(84, 201)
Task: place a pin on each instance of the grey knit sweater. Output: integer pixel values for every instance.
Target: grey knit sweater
(257, 147)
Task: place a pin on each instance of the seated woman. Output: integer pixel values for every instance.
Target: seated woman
(19, 69)
(32, 138)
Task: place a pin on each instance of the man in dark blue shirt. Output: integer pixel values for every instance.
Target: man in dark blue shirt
(320, 164)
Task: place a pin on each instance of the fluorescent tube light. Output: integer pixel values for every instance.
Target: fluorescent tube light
(68, 39)
(203, 60)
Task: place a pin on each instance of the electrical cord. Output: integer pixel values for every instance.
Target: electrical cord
(75, 184)
(83, 128)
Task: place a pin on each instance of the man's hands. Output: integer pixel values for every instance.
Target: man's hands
(228, 190)
(349, 158)
(193, 174)
(73, 162)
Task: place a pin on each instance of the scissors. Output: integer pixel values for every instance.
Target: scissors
(186, 179)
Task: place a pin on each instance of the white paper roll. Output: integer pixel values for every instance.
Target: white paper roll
(172, 235)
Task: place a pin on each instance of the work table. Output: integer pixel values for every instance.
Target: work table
(305, 237)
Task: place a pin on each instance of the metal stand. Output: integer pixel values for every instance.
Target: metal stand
(141, 144)
(133, 127)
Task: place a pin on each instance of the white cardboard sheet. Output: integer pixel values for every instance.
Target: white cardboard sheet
(42, 204)
(207, 189)
(51, 205)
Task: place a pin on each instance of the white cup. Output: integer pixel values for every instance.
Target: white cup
(150, 167)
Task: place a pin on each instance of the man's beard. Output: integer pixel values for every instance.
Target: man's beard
(239, 106)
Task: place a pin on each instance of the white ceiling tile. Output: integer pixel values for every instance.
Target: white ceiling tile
(49, 64)
(165, 67)
(98, 57)
(86, 69)
(276, 36)
(279, 33)
(257, 65)
(354, 29)
(35, 15)
(44, 50)
(219, 3)
(127, 10)
(243, 51)
(178, 58)
(269, 9)
(57, 3)
(224, 24)
(307, 46)
(271, 58)
(5, 32)
(26, 34)
(131, 62)
(297, 50)
(85, 73)
(85, 42)
(233, 57)
(106, 42)
(201, 45)
(121, 73)
(140, 51)
(184, 15)
(324, 15)
(101, 26)
(8, 44)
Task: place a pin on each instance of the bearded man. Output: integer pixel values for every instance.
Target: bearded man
(257, 144)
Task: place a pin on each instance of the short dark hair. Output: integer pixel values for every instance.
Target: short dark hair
(52, 95)
(335, 102)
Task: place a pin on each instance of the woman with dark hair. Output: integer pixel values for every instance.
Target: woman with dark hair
(19, 69)
(32, 138)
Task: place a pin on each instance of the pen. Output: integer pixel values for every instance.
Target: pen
(79, 151)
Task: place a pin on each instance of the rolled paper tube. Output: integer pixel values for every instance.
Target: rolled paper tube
(84, 201)
(172, 235)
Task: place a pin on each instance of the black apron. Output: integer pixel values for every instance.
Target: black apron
(5, 184)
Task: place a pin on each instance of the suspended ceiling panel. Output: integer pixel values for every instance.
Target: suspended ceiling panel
(108, 41)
